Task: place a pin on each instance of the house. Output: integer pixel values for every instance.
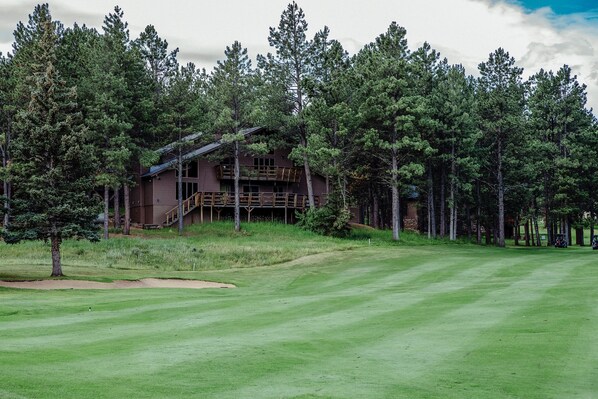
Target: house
(271, 186)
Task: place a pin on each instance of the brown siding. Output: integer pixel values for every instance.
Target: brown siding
(207, 176)
(155, 196)
(148, 188)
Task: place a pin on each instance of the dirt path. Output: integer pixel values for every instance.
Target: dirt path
(119, 284)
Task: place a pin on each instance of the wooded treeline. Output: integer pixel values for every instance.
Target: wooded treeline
(79, 108)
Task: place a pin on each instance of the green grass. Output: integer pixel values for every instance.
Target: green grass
(349, 320)
(160, 252)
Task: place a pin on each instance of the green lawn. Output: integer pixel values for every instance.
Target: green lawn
(379, 321)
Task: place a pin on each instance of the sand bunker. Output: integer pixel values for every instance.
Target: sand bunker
(120, 284)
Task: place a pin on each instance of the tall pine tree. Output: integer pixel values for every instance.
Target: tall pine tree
(52, 160)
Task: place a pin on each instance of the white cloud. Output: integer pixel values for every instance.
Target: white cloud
(465, 31)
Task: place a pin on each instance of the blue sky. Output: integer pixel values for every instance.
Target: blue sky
(464, 31)
(562, 7)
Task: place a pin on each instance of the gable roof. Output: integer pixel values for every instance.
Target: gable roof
(171, 146)
(196, 153)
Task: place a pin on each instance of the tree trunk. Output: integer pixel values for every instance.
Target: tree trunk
(5, 183)
(526, 232)
(55, 241)
(126, 194)
(442, 204)
(548, 223)
(180, 190)
(453, 197)
(501, 199)
(375, 212)
(468, 216)
(579, 236)
(106, 210)
(308, 180)
(431, 209)
(395, 198)
(117, 207)
(236, 188)
(516, 235)
(478, 214)
(592, 216)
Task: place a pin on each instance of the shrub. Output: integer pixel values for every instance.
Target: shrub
(331, 220)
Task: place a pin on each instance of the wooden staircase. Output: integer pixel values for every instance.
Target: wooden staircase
(172, 216)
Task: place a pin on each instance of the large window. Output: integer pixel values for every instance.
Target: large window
(188, 190)
(189, 170)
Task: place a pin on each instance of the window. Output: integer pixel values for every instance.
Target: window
(189, 170)
(262, 162)
(188, 190)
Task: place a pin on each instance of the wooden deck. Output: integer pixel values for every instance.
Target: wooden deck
(261, 173)
(248, 201)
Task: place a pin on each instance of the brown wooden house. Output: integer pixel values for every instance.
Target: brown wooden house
(271, 186)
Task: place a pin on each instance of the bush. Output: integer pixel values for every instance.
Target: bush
(329, 220)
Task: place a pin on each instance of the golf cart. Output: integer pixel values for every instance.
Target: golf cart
(595, 242)
(560, 241)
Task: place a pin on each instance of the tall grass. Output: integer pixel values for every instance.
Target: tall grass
(202, 247)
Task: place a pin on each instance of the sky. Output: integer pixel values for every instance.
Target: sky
(538, 34)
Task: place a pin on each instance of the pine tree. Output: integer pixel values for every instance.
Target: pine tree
(390, 106)
(52, 161)
(232, 98)
(288, 69)
(559, 124)
(500, 107)
(160, 66)
(460, 136)
(108, 111)
(184, 113)
(428, 70)
(332, 125)
(7, 110)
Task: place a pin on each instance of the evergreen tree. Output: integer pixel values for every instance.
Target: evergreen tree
(288, 69)
(232, 96)
(160, 65)
(109, 109)
(459, 138)
(559, 124)
(428, 70)
(7, 110)
(185, 108)
(500, 107)
(52, 162)
(390, 106)
(332, 125)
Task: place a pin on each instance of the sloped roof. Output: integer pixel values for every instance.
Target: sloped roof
(171, 146)
(157, 169)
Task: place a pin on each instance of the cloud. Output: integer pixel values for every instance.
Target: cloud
(464, 31)
(14, 12)
(203, 59)
(544, 39)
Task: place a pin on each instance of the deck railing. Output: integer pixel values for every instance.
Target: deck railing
(261, 173)
(221, 199)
